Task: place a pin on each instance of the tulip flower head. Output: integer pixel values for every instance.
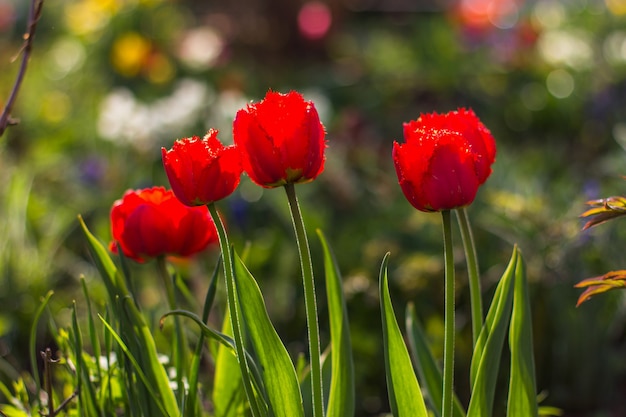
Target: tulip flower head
(281, 140)
(444, 159)
(202, 171)
(152, 222)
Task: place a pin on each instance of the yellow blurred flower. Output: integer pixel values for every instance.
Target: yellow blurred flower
(87, 16)
(617, 7)
(129, 53)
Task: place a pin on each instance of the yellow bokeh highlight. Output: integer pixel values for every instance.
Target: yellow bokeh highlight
(87, 16)
(55, 106)
(82, 18)
(129, 53)
(617, 7)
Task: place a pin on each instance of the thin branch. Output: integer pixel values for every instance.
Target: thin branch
(34, 14)
(64, 403)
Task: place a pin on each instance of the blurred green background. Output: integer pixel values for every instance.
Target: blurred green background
(112, 81)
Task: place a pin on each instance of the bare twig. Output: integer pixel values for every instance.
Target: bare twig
(64, 403)
(47, 361)
(33, 17)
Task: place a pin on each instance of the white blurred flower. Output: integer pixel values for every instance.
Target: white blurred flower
(124, 119)
(201, 47)
(567, 47)
(223, 111)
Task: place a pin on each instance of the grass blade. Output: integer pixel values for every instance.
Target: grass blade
(305, 382)
(88, 402)
(134, 328)
(427, 368)
(226, 341)
(341, 394)
(488, 351)
(278, 373)
(192, 406)
(228, 392)
(405, 396)
(137, 367)
(522, 386)
(33, 342)
(93, 336)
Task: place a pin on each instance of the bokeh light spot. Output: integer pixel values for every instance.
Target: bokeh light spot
(200, 48)
(129, 52)
(571, 47)
(66, 55)
(314, 20)
(560, 83)
(502, 14)
(534, 96)
(88, 16)
(619, 134)
(55, 106)
(617, 7)
(548, 14)
(614, 48)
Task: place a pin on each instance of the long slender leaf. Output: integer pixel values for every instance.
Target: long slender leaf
(224, 340)
(192, 407)
(33, 341)
(488, 350)
(136, 366)
(136, 332)
(228, 392)
(405, 396)
(427, 369)
(87, 402)
(113, 280)
(279, 374)
(305, 382)
(93, 337)
(341, 395)
(522, 387)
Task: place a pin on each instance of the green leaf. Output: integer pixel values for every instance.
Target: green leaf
(93, 336)
(33, 341)
(305, 381)
(488, 350)
(522, 387)
(228, 392)
(405, 396)
(135, 332)
(113, 280)
(11, 411)
(88, 402)
(545, 410)
(341, 395)
(192, 405)
(137, 367)
(427, 369)
(221, 338)
(278, 373)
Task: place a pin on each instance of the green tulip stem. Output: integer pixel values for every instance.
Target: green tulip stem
(233, 309)
(448, 348)
(309, 300)
(476, 304)
(180, 342)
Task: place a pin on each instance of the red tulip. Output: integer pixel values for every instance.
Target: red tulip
(281, 140)
(445, 159)
(202, 171)
(153, 222)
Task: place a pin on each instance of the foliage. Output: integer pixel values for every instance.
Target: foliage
(110, 82)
